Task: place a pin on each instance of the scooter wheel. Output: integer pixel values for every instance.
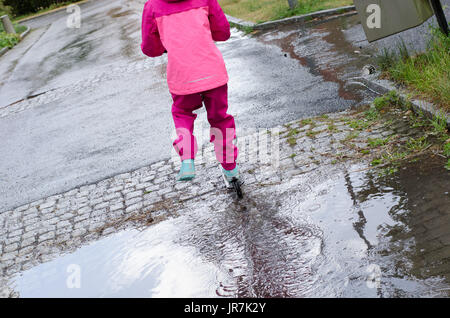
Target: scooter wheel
(237, 188)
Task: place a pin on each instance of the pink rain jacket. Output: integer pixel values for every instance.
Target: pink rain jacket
(187, 29)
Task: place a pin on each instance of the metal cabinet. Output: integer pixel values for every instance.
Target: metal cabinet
(381, 18)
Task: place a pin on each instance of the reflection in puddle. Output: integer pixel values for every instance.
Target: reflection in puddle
(128, 264)
(354, 234)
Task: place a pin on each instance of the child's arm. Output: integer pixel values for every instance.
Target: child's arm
(220, 28)
(151, 42)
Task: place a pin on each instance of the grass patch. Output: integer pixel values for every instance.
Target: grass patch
(376, 162)
(247, 29)
(371, 114)
(308, 121)
(359, 124)
(292, 141)
(377, 142)
(265, 10)
(418, 144)
(430, 134)
(390, 99)
(426, 75)
(309, 6)
(439, 125)
(293, 132)
(447, 149)
(332, 128)
(351, 136)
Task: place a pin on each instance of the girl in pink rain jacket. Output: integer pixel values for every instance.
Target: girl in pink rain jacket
(196, 74)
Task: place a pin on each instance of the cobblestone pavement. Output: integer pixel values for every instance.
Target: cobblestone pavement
(36, 230)
(39, 231)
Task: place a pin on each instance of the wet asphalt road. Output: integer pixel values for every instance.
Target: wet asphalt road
(104, 108)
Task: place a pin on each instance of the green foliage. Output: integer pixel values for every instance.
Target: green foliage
(377, 142)
(388, 171)
(439, 124)
(247, 29)
(4, 9)
(292, 141)
(447, 149)
(332, 128)
(390, 99)
(293, 132)
(386, 60)
(8, 40)
(426, 74)
(359, 124)
(372, 114)
(306, 6)
(307, 122)
(376, 162)
(20, 7)
(403, 50)
(417, 144)
(351, 136)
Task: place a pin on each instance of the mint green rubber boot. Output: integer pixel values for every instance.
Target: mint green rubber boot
(187, 170)
(230, 174)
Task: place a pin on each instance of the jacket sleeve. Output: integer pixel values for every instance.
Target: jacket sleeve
(151, 43)
(220, 28)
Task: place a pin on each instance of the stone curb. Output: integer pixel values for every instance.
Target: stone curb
(350, 10)
(25, 33)
(382, 87)
(22, 35)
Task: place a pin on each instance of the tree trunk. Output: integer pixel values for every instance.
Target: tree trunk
(292, 4)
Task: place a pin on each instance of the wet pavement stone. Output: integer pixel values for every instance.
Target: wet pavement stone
(38, 231)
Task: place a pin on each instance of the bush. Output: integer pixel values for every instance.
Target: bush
(20, 7)
(4, 9)
(8, 40)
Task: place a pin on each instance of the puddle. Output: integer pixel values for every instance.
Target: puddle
(128, 264)
(351, 234)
